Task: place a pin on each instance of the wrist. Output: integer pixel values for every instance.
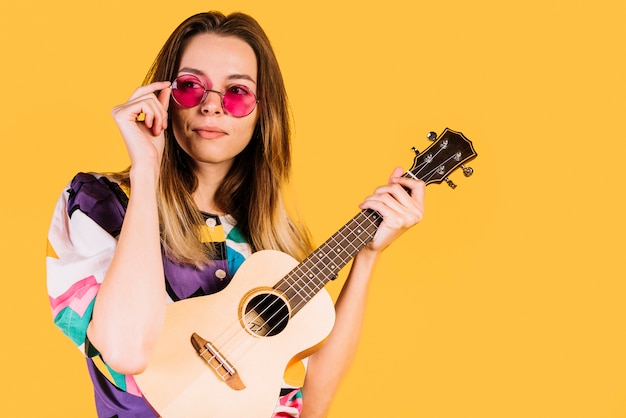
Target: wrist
(367, 256)
(145, 174)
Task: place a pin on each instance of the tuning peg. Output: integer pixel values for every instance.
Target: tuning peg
(468, 171)
(432, 136)
(415, 150)
(450, 183)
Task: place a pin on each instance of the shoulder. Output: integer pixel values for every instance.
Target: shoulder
(94, 187)
(99, 197)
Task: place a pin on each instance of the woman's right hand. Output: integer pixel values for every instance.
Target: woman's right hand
(142, 121)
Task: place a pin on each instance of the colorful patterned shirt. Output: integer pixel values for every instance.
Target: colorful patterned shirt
(82, 239)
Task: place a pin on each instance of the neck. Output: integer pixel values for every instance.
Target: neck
(210, 177)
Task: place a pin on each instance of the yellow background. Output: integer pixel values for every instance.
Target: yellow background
(507, 301)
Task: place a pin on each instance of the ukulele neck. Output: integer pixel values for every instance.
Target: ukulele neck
(323, 265)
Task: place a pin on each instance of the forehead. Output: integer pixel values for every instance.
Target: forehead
(219, 56)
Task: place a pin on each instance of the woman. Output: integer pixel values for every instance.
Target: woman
(210, 155)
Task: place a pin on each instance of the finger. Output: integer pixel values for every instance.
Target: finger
(146, 93)
(149, 88)
(408, 182)
(394, 214)
(395, 174)
(164, 99)
(140, 104)
(164, 96)
(396, 198)
(387, 205)
(159, 117)
(149, 109)
(415, 189)
(136, 115)
(392, 218)
(404, 191)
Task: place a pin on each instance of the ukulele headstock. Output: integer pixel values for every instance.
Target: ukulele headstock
(449, 151)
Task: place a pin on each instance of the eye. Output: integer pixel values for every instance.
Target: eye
(239, 90)
(188, 83)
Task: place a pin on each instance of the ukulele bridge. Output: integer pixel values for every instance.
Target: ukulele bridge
(217, 362)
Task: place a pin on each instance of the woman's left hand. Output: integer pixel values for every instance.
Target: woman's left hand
(400, 209)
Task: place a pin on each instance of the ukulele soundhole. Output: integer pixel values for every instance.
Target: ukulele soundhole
(266, 314)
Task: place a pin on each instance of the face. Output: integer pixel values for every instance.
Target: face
(207, 132)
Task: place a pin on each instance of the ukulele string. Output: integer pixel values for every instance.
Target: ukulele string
(295, 278)
(273, 307)
(292, 279)
(239, 347)
(439, 169)
(297, 285)
(334, 244)
(332, 273)
(235, 333)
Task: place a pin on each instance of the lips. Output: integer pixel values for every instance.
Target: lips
(210, 132)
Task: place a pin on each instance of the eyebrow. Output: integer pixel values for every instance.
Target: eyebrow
(230, 77)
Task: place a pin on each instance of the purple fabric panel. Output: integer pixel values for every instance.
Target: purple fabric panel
(112, 402)
(186, 281)
(97, 200)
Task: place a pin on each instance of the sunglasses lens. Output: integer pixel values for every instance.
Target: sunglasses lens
(239, 101)
(188, 90)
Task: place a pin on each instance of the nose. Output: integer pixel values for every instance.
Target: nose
(212, 104)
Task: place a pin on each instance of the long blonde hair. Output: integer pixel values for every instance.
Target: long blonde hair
(252, 191)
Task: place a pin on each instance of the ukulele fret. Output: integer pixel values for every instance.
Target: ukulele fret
(323, 265)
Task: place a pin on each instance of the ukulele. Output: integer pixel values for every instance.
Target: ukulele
(223, 355)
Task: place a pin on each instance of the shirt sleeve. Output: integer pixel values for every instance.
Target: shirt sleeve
(81, 242)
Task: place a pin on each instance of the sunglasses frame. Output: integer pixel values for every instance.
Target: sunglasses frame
(206, 93)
